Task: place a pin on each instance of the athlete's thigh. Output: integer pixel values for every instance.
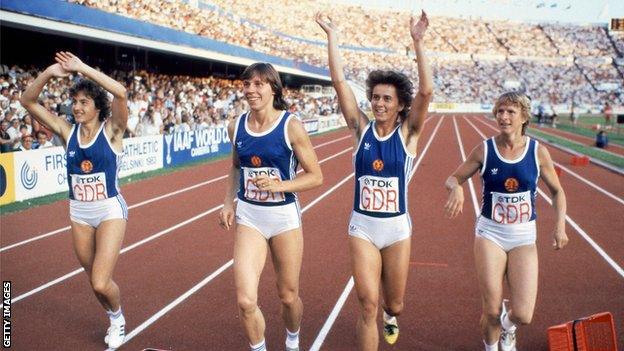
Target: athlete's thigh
(395, 268)
(490, 262)
(366, 268)
(109, 237)
(522, 274)
(250, 249)
(287, 253)
(83, 239)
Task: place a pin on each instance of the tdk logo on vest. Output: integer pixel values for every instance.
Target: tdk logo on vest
(89, 179)
(271, 172)
(381, 183)
(511, 199)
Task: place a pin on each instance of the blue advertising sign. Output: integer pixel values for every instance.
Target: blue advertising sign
(183, 147)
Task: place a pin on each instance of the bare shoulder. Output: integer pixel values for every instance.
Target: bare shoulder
(295, 128)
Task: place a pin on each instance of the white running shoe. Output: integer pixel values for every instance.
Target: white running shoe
(508, 341)
(115, 335)
(508, 337)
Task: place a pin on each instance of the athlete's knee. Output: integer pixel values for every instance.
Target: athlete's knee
(246, 303)
(369, 307)
(100, 285)
(491, 316)
(520, 317)
(395, 307)
(288, 296)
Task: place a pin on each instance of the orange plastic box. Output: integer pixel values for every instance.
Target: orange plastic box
(593, 333)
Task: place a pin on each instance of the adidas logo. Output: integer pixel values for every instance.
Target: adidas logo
(367, 146)
(494, 171)
(239, 143)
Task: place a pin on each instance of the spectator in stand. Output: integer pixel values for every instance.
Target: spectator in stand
(6, 141)
(42, 141)
(26, 143)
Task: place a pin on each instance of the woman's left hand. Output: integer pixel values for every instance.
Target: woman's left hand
(418, 28)
(69, 61)
(265, 183)
(560, 238)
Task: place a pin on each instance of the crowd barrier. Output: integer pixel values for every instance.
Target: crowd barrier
(30, 174)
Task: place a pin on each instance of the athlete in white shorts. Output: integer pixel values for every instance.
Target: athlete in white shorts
(94, 149)
(268, 143)
(510, 165)
(269, 221)
(379, 228)
(95, 212)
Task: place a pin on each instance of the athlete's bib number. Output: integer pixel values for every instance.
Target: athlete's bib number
(378, 194)
(511, 208)
(89, 187)
(253, 193)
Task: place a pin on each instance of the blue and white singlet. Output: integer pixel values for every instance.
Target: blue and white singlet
(92, 169)
(509, 186)
(267, 153)
(383, 169)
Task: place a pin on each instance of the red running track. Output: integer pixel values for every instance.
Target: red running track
(442, 304)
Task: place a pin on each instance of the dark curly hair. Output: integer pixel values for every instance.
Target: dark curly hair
(399, 81)
(95, 92)
(267, 73)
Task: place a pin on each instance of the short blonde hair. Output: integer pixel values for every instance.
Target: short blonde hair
(516, 99)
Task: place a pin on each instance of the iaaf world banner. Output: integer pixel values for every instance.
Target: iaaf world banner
(184, 147)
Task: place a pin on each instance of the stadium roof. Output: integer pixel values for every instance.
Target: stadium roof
(569, 11)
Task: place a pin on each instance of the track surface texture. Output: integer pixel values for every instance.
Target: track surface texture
(176, 277)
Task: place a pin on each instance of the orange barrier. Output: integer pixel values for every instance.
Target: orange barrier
(580, 160)
(593, 333)
(559, 171)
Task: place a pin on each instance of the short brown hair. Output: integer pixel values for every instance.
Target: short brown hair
(267, 73)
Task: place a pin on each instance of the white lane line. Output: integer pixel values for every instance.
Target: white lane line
(56, 231)
(146, 240)
(331, 319)
(201, 284)
(571, 172)
(475, 203)
(583, 234)
(332, 316)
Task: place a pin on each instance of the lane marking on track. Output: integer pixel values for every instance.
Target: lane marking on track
(56, 231)
(578, 229)
(146, 240)
(333, 315)
(569, 171)
(473, 196)
(201, 284)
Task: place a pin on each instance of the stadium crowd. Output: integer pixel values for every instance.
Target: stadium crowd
(546, 50)
(474, 60)
(157, 104)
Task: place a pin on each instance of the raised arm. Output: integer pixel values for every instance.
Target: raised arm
(59, 126)
(119, 105)
(355, 118)
(455, 203)
(548, 175)
(420, 103)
